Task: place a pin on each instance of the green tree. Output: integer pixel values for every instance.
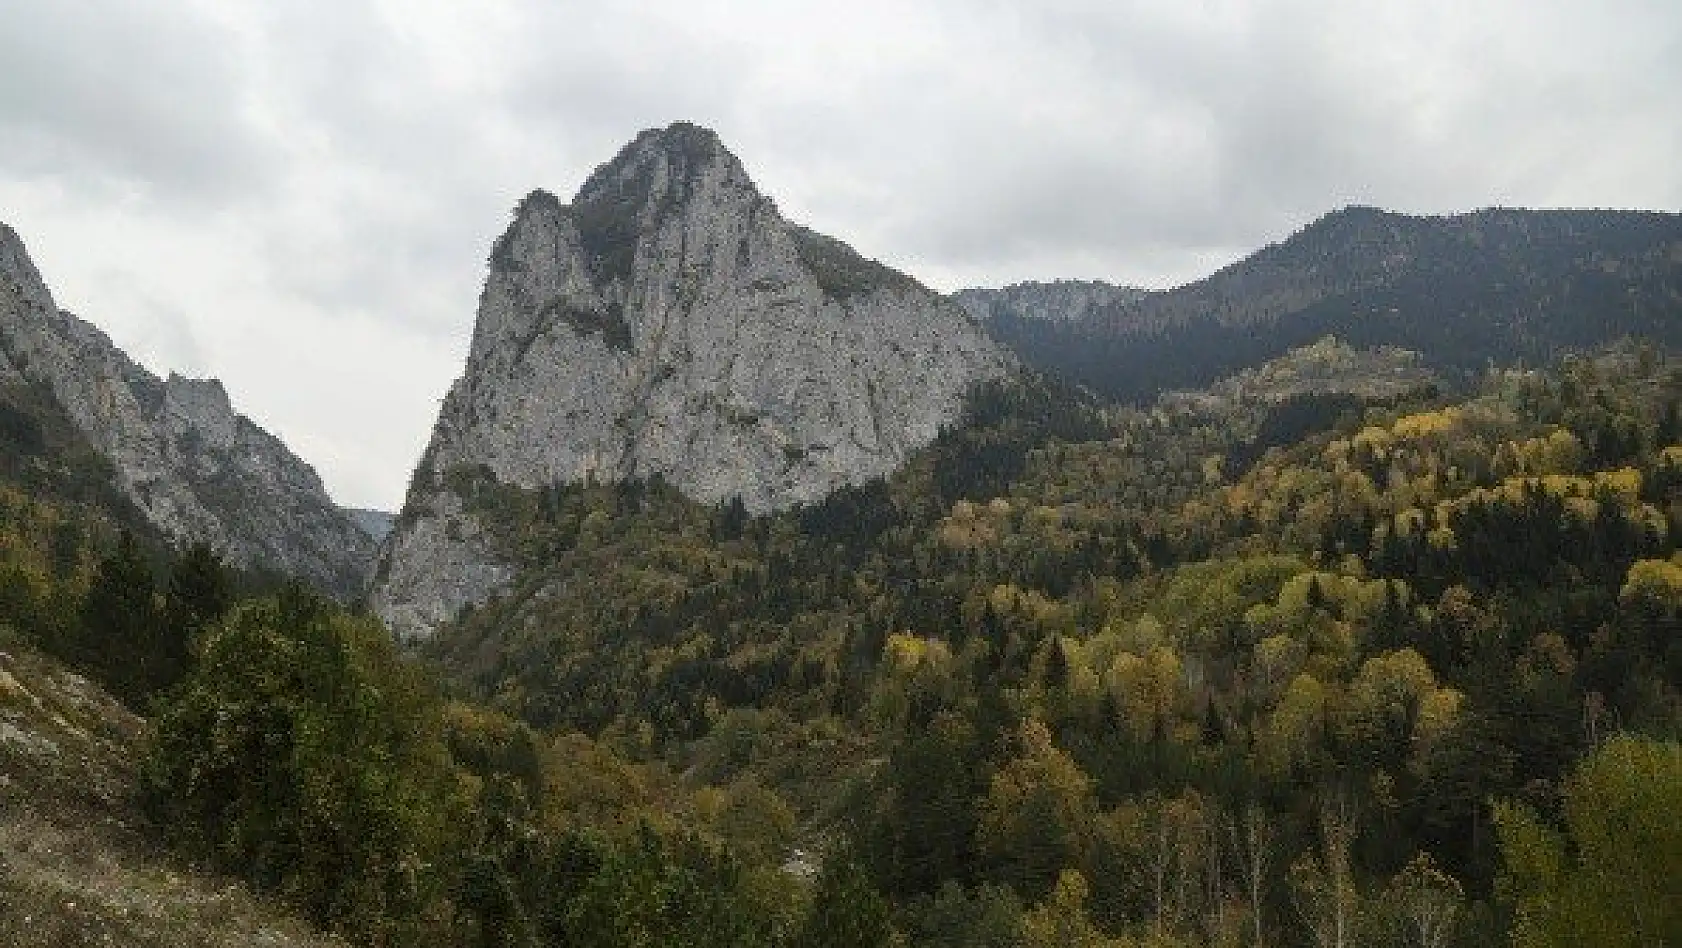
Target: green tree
(199, 591)
(491, 911)
(1613, 878)
(302, 754)
(123, 639)
(988, 917)
(926, 833)
(685, 893)
(1460, 772)
(1038, 815)
(1061, 920)
(756, 822)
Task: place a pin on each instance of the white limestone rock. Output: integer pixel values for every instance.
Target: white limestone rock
(194, 467)
(669, 321)
(442, 563)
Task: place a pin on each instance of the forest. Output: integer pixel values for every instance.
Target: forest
(1496, 285)
(1301, 671)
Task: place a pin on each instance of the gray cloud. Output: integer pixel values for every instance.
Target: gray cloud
(103, 90)
(299, 197)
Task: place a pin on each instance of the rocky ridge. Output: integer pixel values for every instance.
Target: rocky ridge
(195, 468)
(670, 322)
(1057, 301)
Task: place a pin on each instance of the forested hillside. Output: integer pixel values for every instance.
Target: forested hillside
(59, 507)
(1499, 285)
(1320, 669)
(1116, 642)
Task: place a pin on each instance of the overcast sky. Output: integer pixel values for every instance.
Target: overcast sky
(298, 196)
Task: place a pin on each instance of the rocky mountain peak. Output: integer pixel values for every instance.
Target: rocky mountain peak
(669, 321)
(20, 282)
(662, 164)
(673, 172)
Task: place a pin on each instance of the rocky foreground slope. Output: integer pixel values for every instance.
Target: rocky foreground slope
(669, 321)
(196, 469)
(76, 867)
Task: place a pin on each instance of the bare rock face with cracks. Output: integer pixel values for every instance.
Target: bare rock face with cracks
(669, 321)
(192, 465)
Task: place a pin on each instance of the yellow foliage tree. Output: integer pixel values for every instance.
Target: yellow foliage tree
(1061, 922)
(1038, 814)
(1614, 878)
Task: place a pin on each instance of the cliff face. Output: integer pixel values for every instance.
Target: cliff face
(194, 467)
(670, 322)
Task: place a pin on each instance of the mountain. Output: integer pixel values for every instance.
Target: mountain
(375, 523)
(194, 468)
(1058, 301)
(670, 323)
(1499, 285)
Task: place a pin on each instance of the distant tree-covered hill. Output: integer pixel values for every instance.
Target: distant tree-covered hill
(1498, 285)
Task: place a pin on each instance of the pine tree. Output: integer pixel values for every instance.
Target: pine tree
(1056, 664)
(120, 638)
(200, 592)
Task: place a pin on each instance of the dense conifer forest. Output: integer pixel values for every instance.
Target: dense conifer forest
(1319, 671)
(1496, 285)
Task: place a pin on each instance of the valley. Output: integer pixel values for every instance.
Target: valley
(751, 593)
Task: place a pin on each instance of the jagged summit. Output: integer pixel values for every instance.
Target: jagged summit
(661, 161)
(659, 172)
(670, 321)
(680, 169)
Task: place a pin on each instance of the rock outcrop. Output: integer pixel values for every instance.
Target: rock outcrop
(194, 467)
(670, 322)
